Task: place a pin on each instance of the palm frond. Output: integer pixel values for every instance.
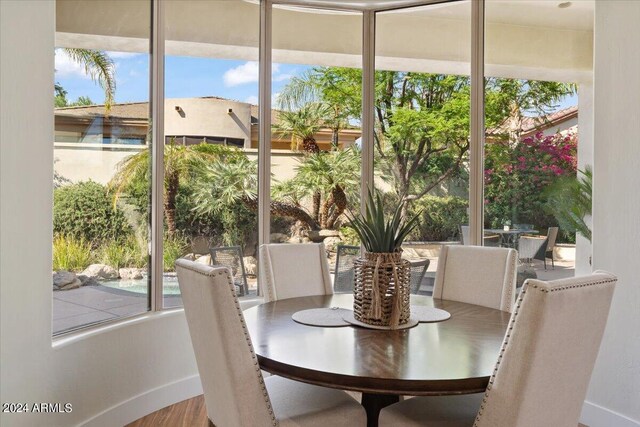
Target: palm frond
(100, 67)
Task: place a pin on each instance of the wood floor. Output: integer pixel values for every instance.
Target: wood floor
(189, 413)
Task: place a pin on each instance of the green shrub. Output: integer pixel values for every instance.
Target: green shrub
(71, 254)
(440, 219)
(172, 249)
(86, 211)
(349, 236)
(116, 254)
(138, 247)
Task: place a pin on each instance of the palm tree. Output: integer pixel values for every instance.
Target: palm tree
(301, 125)
(223, 184)
(313, 88)
(569, 199)
(100, 67)
(180, 163)
(331, 179)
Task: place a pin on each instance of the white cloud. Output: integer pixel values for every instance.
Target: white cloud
(66, 67)
(242, 74)
(274, 99)
(248, 73)
(252, 100)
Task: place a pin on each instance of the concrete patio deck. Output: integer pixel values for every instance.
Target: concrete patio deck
(95, 304)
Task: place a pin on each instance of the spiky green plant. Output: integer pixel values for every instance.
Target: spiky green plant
(569, 200)
(377, 234)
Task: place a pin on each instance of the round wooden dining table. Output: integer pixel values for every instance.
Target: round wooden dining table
(455, 356)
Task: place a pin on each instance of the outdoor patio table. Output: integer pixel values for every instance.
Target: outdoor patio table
(456, 356)
(509, 238)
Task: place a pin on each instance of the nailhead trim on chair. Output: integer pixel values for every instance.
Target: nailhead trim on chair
(507, 339)
(256, 365)
(266, 262)
(513, 259)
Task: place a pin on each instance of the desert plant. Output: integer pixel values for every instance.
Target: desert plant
(377, 234)
(173, 247)
(85, 210)
(569, 200)
(115, 253)
(70, 253)
(440, 218)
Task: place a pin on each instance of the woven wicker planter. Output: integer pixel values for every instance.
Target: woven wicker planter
(381, 290)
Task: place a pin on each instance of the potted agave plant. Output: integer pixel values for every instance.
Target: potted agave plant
(382, 278)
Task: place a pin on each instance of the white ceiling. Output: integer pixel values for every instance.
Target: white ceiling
(539, 13)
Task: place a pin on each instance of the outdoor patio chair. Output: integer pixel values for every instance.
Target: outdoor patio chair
(464, 235)
(492, 240)
(539, 247)
(235, 392)
(477, 275)
(544, 367)
(523, 226)
(552, 235)
(418, 270)
(343, 275)
(292, 270)
(231, 257)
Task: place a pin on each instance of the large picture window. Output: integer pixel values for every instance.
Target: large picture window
(356, 98)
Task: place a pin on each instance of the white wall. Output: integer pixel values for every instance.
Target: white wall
(615, 385)
(101, 370)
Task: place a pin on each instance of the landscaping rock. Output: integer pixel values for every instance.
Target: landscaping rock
(331, 243)
(250, 265)
(191, 257)
(88, 281)
(63, 278)
(73, 285)
(101, 271)
(130, 273)
(318, 236)
(295, 239)
(279, 238)
(204, 259)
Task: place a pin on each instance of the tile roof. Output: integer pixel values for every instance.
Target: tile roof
(532, 124)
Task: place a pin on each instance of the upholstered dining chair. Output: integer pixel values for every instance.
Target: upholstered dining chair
(291, 270)
(477, 275)
(235, 392)
(544, 366)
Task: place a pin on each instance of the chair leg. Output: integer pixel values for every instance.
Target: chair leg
(553, 265)
(545, 263)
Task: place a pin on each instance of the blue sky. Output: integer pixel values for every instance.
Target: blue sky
(185, 77)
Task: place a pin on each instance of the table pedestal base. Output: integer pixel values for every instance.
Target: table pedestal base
(373, 403)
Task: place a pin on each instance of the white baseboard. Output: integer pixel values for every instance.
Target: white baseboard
(596, 416)
(145, 403)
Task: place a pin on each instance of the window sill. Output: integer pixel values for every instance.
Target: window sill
(72, 337)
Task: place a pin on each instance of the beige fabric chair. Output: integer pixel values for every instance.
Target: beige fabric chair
(477, 275)
(234, 390)
(543, 369)
(294, 270)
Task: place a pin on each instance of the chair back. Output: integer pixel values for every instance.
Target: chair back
(477, 275)
(291, 270)
(532, 247)
(234, 390)
(231, 257)
(548, 354)
(464, 235)
(344, 271)
(418, 270)
(552, 235)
